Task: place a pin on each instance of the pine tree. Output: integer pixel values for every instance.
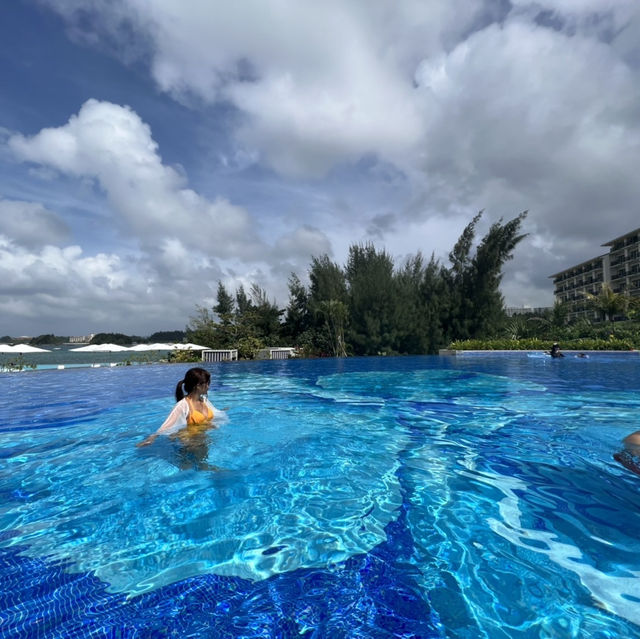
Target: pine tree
(225, 331)
(372, 300)
(328, 307)
(297, 320)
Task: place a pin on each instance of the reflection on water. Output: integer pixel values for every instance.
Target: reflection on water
(191, 447)
(487, 483)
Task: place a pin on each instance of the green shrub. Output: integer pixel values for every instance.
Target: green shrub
(613, 343)
(248, 347)
(185, 356)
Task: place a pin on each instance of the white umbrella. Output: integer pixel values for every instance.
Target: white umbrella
(25, 348)
(6, 348)
(188, 347)
(100, 348)
(151, 347)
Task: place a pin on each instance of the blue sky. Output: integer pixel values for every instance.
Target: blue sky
(150, 149)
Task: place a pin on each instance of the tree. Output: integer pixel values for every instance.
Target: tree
(224, 306)
(369, 307)
(334, 315)
(608, 303)
(167, 336)
(243, 303)
(372, 300)
(550, 322)
(559, 314)
(408, 311)
(435, 306)
(113, 338)
(297, 319)
(328, 305)
(47, 339)
(476, 306)
(455, 309)
(225, 330)
(265, 317)
(494, 250)
(202, 328)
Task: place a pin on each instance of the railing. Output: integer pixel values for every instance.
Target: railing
(618, 275)
(219, 355)
(283, 352)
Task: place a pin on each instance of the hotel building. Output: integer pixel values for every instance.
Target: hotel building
(619, 268)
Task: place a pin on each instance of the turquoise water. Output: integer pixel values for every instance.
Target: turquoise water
(482, 488)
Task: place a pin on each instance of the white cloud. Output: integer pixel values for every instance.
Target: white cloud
(475, 104)
(75, 291)
(30, 225)
(185, 241)
(53, 272)
(111, 144)
(545, 122)
(319, 83)
(299, 244)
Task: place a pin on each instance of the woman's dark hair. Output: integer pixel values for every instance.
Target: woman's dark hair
(192, 378)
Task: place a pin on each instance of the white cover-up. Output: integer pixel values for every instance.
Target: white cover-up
(177, 418)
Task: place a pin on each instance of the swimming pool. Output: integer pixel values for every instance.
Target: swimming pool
(407, 497)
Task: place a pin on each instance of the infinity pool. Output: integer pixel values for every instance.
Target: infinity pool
(387, 497)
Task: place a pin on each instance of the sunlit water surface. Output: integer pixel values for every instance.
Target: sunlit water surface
(417, 497)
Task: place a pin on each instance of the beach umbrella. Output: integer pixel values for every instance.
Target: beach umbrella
(6, 348)
(139, 347)
(25, 348)
(90, 348)
(151, 347)
(100, 348)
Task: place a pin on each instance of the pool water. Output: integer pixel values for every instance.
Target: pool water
(385, 497)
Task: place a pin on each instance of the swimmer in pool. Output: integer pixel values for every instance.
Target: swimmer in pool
(555, 350)
(629, 457)
(193, 413)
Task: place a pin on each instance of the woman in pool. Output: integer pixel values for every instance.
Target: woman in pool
(555, 350)
(193, 413)
(630, 456)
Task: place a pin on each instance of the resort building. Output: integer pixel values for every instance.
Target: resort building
(619, 268)
(81, 339)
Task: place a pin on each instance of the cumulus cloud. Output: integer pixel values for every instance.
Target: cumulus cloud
(105, 291)
(31, 225)
(477, 104)
(547, 122)
(111, 144)
(184, 240)
(319, 83)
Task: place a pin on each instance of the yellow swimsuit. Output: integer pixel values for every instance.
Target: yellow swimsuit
(196, 417)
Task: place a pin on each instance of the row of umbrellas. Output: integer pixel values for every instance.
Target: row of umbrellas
(104, 348)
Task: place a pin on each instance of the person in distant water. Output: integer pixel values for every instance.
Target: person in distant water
(629, 457)
(555, 350)
(193, 413)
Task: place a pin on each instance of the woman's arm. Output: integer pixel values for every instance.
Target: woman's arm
(176, 419)
(218, 413)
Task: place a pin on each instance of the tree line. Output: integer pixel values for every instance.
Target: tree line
(49, 339)
(370, 306)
